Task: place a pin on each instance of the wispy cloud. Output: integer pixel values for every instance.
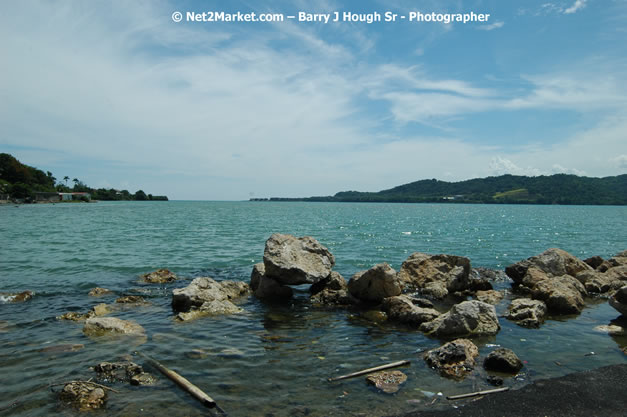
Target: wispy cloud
(577, 5)
(495, 25)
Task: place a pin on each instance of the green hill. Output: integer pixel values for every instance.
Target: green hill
(504, 189)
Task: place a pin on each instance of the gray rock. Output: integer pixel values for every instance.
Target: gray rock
(503, 360)
(436, 274)
(294, 261)
(332, 291)
(619, 301)
(454, 359)
(269, 289)
(526, 312)
(98, 326)
(375, 284)
(160, 276)
(562, 295)
(402, 309)
(205, 289)
(209, 308)
(469, 318)
(553, 262)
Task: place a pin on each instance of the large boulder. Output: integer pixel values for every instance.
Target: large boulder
(469, 318)
(435, 275)
(160, 276)
(204, 296)
(402, 309)
(619, 301)
(503, 360)
(526, 312)
(454, 359)
(375, 284)
(562, 294)
(99, 326)
(331, 291)
(294, 261)
(553, 262)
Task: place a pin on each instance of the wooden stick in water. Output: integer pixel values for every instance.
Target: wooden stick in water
(192, 389)
(474, 394)
(371, 370)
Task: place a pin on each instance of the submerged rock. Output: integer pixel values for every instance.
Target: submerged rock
(375, 284)
(611, 329)
(526, 312)
(503, 360)
(387, 381)
(374, 316)
(75, 316)
(436, 275)
(123, 372)
(402, 309)
(99, 326)
(466, 319)
(130, 299)
(18, 297)
(70, 347)
(98, 291)
(160, 276)
(294, 261)
(83, 395)
(454, 359)
(553, 262)
(619, 301)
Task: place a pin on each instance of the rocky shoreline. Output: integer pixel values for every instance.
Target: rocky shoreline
(440, 295)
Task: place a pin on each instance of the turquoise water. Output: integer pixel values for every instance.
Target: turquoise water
(283, 353)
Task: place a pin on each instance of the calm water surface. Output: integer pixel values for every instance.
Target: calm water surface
(273, 359)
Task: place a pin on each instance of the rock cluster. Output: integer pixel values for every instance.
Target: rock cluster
(83, 395)
(206, 297)
(124, 372)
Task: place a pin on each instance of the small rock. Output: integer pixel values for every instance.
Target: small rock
(375, 316)
(401, 308)
(375, 284)
(387, 381)
(160, 276)
(611, 329)
(495, 380)
(209, 308)
(98, 291)
(99, 326)
(130, 299)
(83, 395)
(503, 360)
(75, 316)
(100, 310)
(490, 296)
(526, 312)
(196, 354)
(143, 379)
(453, 359)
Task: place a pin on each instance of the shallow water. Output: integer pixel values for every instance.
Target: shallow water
(272, 359)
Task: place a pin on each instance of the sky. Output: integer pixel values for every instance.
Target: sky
(119, 95)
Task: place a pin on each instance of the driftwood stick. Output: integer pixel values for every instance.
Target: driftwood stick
(192, 389)
(371, 370)
(474, 394)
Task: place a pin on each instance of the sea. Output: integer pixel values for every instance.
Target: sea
(272, 359)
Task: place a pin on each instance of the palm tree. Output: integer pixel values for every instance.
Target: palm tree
(66, 178)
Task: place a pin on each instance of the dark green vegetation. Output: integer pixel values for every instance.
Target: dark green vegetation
(504, 189)
(21, 182)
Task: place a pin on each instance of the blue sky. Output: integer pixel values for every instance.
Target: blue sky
(119, 95)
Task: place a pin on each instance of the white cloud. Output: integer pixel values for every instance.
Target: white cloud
(495, 25)
(577, 5)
